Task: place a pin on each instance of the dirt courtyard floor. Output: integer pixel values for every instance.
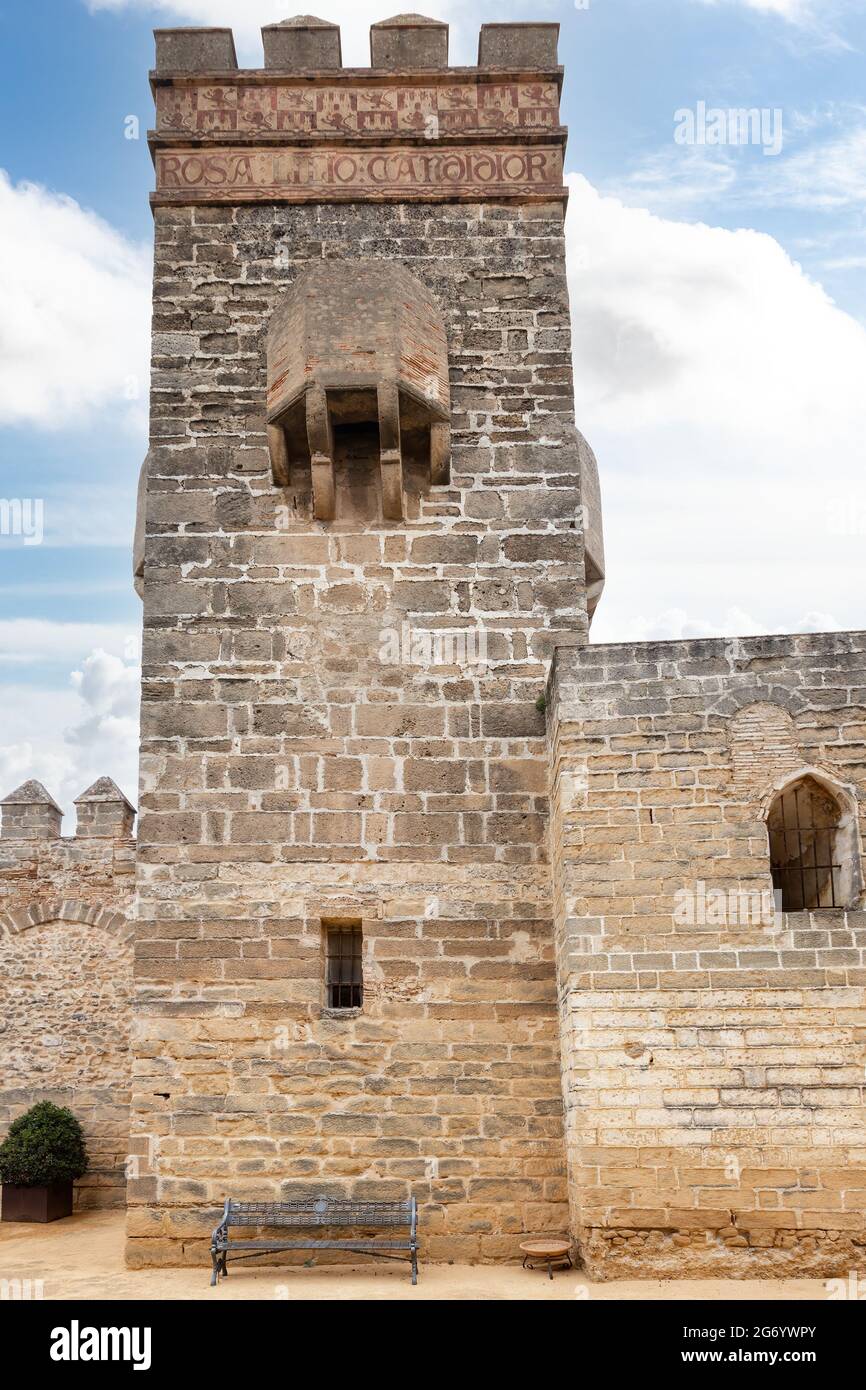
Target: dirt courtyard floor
(82, 1258)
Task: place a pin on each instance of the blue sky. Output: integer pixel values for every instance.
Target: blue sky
(719, 309)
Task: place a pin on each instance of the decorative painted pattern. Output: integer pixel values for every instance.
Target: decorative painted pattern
(198, 109)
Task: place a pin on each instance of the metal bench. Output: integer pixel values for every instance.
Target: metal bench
(316, 1213)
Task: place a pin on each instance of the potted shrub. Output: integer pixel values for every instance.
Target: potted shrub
(40, 1158)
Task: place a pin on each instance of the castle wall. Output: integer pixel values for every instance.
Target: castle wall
(65, 993)
(713, 1063)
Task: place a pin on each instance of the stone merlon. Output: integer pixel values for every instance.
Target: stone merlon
(304, 43)
(408, 41)
(31, 813)
(104, 812)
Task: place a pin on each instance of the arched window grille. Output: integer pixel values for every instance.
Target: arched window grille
(806, 856)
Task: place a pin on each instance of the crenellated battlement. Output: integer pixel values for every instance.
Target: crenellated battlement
(403, 43)
(304, 128)
(31, 813)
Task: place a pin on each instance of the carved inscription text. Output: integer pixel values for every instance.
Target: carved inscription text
(299, 175)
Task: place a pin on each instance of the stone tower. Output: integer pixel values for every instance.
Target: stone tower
(433, 896)
(367, 521)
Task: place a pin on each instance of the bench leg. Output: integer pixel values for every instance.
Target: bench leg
(414, 1265)
(216, 1267)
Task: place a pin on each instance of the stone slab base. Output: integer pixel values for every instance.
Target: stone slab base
(633, 1254)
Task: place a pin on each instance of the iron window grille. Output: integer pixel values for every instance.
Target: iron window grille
(345, 980)
(802, 829)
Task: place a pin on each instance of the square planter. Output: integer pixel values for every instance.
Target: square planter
(37, 1203)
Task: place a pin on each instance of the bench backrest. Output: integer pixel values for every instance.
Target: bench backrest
(321, 1211)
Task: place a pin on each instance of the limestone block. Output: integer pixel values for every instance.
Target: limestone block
(518, 47)
(408, 42)
(30, 813)
(104, 812)
(302, 44)
(184, 50)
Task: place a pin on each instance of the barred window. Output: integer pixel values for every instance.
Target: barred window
(344, 972)
(803, 826)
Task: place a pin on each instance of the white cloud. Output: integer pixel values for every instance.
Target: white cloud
(828, 174)
(354, 18)
(795, 11)
(846, 263)
(39, 641)
(84, 514)
(679, 179)
(91, 515)
(822, 169)
(705, 326)
(722, 391)
(677, 625)
(788, 9)
(68, 738)
(804, 26)
(76, 311)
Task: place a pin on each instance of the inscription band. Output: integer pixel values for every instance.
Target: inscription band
(297, 175)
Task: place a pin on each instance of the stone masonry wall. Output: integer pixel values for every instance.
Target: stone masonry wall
(65, 993)
(299, 768)
(713, 1065)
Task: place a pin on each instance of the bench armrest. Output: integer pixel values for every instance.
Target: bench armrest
(223, 1228)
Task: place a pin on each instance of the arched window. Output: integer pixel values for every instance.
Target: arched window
(813, 847)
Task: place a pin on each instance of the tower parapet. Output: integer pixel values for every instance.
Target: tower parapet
(306, 129)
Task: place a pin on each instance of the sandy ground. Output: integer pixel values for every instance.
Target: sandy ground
(82, 1258)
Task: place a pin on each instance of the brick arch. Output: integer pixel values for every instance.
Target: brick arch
(754, 692)
(763, 741)
(65, 910)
